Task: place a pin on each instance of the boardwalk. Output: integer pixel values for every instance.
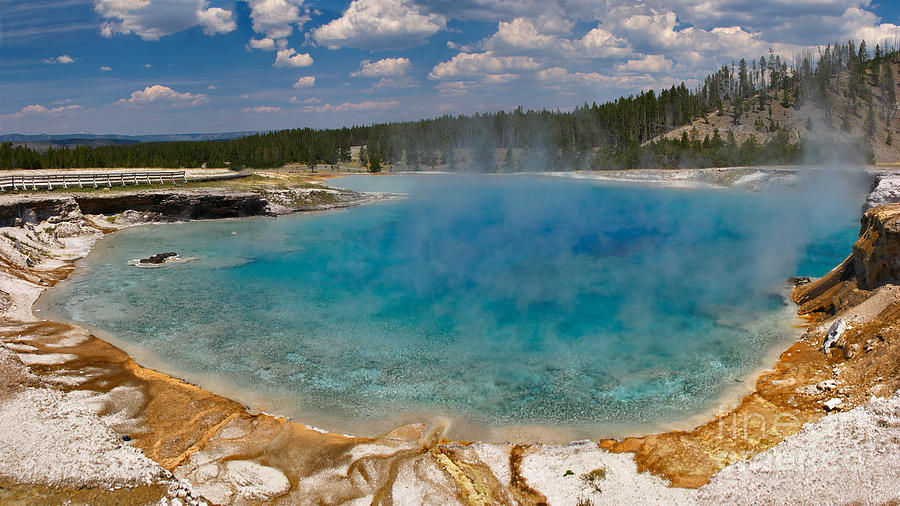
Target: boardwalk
(90, 180)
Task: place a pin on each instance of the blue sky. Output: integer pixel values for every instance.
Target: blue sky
(178, 66)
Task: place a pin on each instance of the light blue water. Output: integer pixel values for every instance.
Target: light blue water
(501, 300)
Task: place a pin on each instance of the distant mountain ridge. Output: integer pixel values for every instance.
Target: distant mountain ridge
(70, 139)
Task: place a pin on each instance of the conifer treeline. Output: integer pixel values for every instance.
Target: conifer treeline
(612, 134)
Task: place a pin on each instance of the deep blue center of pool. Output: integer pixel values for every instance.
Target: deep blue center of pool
(503, 300)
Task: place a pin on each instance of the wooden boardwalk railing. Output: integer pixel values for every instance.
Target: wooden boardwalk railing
(95, 180)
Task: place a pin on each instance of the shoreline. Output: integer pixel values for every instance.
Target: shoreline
(731, 397)
(408, 443)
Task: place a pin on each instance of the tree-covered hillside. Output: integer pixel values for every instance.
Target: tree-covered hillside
(629, 132)
(841, 106)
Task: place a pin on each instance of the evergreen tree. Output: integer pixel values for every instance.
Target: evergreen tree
(364, 156)
(744, 80)
(375, 163)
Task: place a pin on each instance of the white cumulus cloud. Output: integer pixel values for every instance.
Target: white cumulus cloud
(520, 33)
(382, 68)
(160, 93)
(105, 68)
(395, 83)
(481, 64)
(797, 22)
(215, 20)
(305, 82)
(649, 63)
(276, 18)
(600, 43)
(263, 44)
(550, 15)
(653, 30)
(368, 105)
(288, 57)
(262, 109)
(862, 24)
(63, 58)
(40, 110)
(523, 37)
(379, 25)
(792, 22)
(153, 19)
(560, 79)
(454, 87)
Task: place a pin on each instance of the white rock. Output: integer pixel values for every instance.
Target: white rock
(826, 385)
(833, 404)
(255, 481)
(55, 438)
(835, 460)
(207, 472)
(887, 191)
(22, 348)
(834, 332)
(46, 359)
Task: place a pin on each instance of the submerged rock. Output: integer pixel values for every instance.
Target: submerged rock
(158, 258)
(799, 280)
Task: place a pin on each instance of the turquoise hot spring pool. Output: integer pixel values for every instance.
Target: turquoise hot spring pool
(490, 301)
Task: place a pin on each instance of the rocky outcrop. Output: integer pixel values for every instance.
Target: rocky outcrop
(876, 254)
(151, 206)
(317, 198)
(830, 292)
(885, 190)
(177, 205)
(34, 211)
(875, 262)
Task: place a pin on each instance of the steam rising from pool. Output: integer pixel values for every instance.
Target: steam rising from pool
(502, 300)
